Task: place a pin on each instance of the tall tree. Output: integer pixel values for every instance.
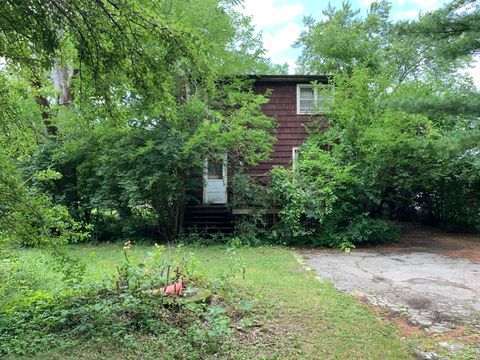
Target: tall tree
(404, 122)
(342, 40)
(453, 31)
(149, 98)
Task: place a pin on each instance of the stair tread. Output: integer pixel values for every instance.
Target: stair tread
(208, 218)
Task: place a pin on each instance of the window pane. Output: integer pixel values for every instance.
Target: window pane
(215, 169)
(306, 93)
(306, 106)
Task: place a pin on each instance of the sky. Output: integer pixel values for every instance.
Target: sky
(280, 22)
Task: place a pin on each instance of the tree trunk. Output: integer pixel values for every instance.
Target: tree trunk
(62, 77)
(44, 105)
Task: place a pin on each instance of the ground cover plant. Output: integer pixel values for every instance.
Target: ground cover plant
(117, 306)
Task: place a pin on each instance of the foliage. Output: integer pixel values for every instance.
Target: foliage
(17, 278)
(450, 102)
(27, 216)
(404, 123)
(452, 31)
(132, 181)
(448, 182)
(135, 107)
(320, 203)
(376, 161)
(341, 41)
(30, 218)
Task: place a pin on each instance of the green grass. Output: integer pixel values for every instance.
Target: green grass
(295, 315)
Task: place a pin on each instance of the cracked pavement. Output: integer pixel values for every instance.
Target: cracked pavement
(430, 276)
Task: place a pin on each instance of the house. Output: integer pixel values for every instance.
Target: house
(293, 99)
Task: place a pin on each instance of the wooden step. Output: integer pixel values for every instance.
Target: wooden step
(208, 218)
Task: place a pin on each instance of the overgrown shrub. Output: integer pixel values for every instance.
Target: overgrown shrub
(17, 278)
(131, 180)
(321, 203)
(42, 321)
(377, 162)
(252, 226)
(362, 230)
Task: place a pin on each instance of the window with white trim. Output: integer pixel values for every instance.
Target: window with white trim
(313, 99)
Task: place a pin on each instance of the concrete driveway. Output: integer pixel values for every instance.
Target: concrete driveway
(431, 277)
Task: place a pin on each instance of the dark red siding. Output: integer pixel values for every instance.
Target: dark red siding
(290, 131)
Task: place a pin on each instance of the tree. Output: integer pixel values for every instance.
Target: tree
(453, 31)
(342, 40)
(405, 126)
(147, 99)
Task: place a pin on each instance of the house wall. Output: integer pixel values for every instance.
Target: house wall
(291, 128)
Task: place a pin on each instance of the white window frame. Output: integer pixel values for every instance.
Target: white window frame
(316, 97)
(295, 153)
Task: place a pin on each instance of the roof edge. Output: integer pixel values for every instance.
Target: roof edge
(290, 78)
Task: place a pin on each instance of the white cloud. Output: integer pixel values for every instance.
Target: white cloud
(279, 25)
(266, 13)
(281, 40)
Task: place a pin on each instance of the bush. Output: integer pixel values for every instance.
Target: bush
(362, 231)
(377, 162)
(17, 278)
(44, 321)
(365, 230)
(322, 203)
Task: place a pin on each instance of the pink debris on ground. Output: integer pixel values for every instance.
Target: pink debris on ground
(174, 289)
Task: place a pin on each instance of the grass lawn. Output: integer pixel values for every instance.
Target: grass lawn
(295, 315)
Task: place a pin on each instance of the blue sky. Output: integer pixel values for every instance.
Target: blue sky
(280, 22)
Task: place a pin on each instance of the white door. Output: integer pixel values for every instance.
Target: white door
(215, 181)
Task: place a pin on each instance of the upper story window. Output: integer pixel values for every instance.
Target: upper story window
(313, 99)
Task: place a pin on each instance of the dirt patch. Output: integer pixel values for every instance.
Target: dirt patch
(405, 327)
(425, 239)
(470, 254)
